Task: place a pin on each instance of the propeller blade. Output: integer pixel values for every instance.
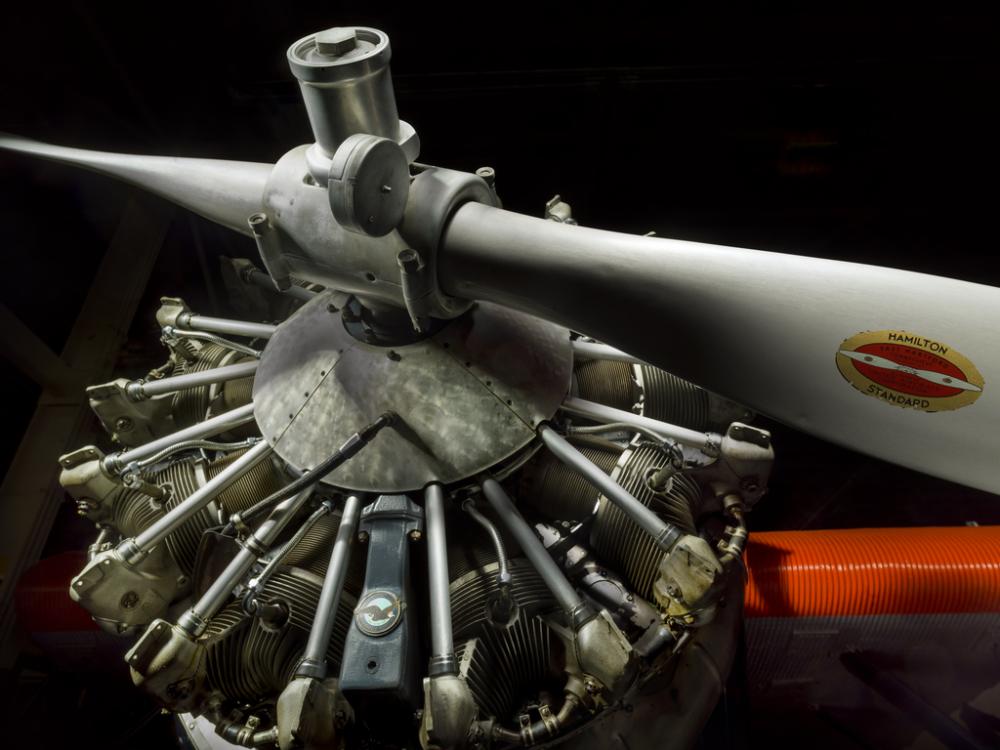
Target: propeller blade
(766, 329)
(226, 192)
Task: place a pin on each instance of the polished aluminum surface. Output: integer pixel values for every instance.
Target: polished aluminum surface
(468, 397)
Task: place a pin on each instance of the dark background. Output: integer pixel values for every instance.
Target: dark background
(859, 134)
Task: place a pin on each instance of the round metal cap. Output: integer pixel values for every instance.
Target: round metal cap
(367, 184)
(338, 54)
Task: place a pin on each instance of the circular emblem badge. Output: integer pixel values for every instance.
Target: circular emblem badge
(378, 613)
(909, 371)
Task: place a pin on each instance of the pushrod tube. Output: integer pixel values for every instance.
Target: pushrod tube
(138, 390)
(257, 583)
(224, 325)
(196, 618)
(313, 662)
(567, 597)
(664, 534)
(442, 659)
(134, 549)
(705, 441)
(219, 423)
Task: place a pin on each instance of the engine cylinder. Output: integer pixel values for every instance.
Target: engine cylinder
(620, 542)
(502, 662)
(245, 659)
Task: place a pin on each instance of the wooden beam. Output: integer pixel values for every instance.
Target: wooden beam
(30, 494)
(32, 356)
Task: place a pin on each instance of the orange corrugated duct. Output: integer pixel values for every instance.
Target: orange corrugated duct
(873, 572)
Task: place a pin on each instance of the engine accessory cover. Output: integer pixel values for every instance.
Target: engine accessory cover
(380, 665)
(468, 397)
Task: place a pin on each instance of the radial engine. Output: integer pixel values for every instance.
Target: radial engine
(395, 518)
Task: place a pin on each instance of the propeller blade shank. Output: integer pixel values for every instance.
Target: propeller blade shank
(226, 192)
(762, 328)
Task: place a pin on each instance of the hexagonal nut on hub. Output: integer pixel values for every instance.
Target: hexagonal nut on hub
(336, 41)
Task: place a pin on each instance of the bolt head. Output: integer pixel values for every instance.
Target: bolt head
(409, 260)
(123, 424)
(336, 41)
(129, 600)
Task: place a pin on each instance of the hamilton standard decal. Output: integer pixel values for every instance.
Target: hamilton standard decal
(378, 613)
(909, 371)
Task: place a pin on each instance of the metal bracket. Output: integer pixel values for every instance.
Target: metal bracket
(128, 420)
(746, 456)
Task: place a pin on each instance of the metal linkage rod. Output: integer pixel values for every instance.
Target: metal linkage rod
(209, 445)
(135, 549)
(224, 325)
(313, 662)
(348, 450)
(196, 618)
(593, 350)
(503, 573)
(116, 462)
(665, 534)
(567, 597)
(256, 583)
(172, 332)
(138, 390)
(442, 659)
(708, 442)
